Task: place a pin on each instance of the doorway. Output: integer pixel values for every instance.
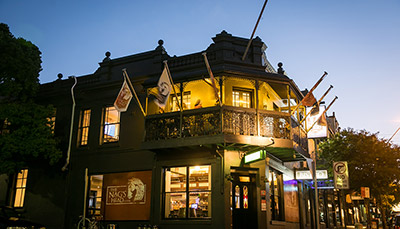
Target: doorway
(244, 201)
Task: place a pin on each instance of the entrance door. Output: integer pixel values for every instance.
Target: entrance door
(244, 201)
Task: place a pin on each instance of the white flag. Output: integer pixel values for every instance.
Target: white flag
(124, 98)
(164, 89)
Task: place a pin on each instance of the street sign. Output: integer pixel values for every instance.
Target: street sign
(306, 174)
(341, 175)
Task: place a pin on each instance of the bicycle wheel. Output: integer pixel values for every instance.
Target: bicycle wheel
(87, 224)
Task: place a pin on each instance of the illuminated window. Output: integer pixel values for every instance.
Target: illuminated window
(276, 198)
(187, 192)
(242, 97)
(186, 101)
(20, 187)
(84, 123)
(51, 121)
(111, 125)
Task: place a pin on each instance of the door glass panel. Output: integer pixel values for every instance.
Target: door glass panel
(237, 196)
(245, 197)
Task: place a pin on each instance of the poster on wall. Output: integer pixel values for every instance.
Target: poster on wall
(291, 200)
(317, 116)
(127, 195)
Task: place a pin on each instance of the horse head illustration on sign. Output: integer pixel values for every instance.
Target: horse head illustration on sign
(136, 189)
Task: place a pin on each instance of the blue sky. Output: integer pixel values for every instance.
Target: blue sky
(357, 42)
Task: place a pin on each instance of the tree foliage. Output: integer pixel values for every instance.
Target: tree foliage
(26, 135)
(372, 162)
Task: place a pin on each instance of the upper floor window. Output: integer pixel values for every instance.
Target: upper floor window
(242, 97)
(84, 123)
(187, 192)
(19, 188)
(111, 121)
(185, 100)
(51, 121)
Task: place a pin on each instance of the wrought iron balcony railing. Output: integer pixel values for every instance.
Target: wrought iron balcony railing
(224, 120)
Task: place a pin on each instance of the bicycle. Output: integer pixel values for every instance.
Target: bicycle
(90, 223)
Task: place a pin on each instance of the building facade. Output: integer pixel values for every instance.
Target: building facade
(220, 156)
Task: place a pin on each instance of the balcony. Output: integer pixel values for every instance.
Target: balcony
(226, 124)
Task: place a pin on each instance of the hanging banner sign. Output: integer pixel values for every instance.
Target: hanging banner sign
(341, 175)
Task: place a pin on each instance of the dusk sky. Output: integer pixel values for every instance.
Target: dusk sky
(357, 42)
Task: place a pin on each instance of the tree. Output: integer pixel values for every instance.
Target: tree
(372, 162)
(26, 135)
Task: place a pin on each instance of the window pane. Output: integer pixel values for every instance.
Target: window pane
(111, 125)
(199, 202)
(175, 179)
(86, 118)
(84, 127)
(175, 205)
(246, 99)
(19, 183)
(200, 177)
(236, 99)
(18, 196)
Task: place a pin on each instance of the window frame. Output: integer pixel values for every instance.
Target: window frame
(187, 192)
(82, 127)
(241, 90)
(16, 187)
(105, 115)
(187, 96)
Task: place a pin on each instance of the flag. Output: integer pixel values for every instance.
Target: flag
(124, 98)
(322, 120)
(164, 89)
(308, 100)
(310, 164)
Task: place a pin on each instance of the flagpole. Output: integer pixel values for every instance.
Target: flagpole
(125, 74)
(322, 114)
(319, 101)
(312, 89)
(254, 30)
(394, 134)
(212, 78)
(173, 86)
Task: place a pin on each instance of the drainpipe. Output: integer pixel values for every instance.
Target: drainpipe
(71, 128)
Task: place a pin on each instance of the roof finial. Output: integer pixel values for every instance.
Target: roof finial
(160, 46)
(107, 58)
(280, 69)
